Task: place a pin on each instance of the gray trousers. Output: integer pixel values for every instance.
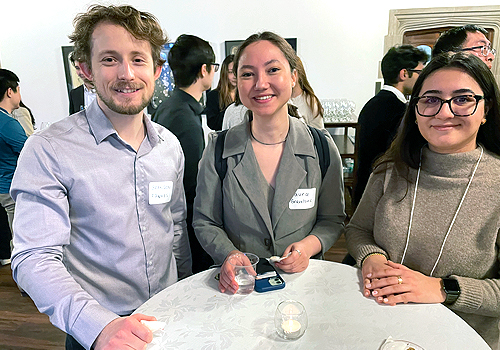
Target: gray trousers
(9, 205)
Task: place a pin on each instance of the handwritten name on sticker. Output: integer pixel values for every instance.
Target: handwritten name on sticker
(160, 192)
(304, 198)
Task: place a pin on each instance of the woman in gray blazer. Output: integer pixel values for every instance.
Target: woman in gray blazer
(273, 199)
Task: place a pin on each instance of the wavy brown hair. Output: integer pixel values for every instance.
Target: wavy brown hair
(142, 25)
(224, 86)
(311, 99)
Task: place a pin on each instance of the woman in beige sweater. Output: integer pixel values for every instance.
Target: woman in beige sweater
(426, 229)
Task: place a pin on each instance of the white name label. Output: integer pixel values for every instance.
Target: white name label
(160, 192)
(304, 198)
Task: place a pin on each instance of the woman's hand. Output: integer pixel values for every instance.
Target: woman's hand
(398, 284)
(226, 277)
(373, 264)
(301, 252)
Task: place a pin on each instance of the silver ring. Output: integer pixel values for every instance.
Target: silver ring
(298, 251)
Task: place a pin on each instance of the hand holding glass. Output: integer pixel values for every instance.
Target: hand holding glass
(243, 266)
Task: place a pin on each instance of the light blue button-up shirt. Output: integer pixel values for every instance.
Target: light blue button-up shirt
(99, 228)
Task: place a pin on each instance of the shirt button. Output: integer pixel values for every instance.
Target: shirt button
(150, 263)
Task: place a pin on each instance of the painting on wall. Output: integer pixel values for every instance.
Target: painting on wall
(164, 84)
(231, 46)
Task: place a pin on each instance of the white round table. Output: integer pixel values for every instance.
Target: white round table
(199, 316)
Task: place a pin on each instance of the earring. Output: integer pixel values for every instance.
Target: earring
(416, 121)
(483, 121)
(293, 85)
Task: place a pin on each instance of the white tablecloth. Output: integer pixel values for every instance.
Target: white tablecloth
(198, 316)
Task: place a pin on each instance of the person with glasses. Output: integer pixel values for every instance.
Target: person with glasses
(192, 61)
(380, 117)
(427, 227)
(469, 38)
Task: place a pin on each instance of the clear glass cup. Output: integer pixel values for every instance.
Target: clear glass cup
(290, 320)
(244, 265)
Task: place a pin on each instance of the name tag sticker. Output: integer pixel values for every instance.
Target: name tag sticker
(304, 198)
(160, 192)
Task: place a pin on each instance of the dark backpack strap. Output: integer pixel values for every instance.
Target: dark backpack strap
(220, 163)
(321, 144)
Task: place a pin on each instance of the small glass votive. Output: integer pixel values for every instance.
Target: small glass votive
(244, 266)
(290, 319)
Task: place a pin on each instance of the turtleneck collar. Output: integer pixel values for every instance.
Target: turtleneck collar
(449, 164)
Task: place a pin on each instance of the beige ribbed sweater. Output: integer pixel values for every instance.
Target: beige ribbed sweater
(380, 224)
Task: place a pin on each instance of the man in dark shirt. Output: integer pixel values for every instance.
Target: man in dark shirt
(380, 117)
(192, 61)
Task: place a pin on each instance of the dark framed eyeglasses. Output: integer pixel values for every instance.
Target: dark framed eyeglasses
(485, 50)
(460, 106)
(216, 66)
(418, 71)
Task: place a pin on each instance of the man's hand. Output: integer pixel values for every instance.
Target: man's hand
(125, 333)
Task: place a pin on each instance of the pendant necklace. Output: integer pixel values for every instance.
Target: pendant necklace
(454, 217)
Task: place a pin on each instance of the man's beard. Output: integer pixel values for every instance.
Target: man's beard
(124, 108)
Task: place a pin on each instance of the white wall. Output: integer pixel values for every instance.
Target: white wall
(340, 42)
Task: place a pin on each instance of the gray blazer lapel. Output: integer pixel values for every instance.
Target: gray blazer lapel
(291, 173)
(247, 172)
(290, 177)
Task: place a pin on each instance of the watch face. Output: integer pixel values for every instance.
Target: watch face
(451, 286)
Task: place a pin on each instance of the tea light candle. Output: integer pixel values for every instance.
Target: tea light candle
(291, 328)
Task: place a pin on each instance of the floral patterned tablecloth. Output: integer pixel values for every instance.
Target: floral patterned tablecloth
(198, 316)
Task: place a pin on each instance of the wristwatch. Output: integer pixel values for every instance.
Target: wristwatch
(452, 290)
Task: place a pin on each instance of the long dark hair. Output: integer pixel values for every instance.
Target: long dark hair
(405, 149)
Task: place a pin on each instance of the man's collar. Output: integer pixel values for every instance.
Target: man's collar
(190, 100)
(4, 110)
(102, 127)
(396, 92)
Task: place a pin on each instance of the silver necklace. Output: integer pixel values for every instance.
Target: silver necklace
(267, 144)
(454, 217)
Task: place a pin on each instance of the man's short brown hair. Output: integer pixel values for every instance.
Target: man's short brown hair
(142, 25)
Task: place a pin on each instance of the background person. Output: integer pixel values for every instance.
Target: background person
(12, 139)
(24, 116)
(469, 38)
(427, 227)
(221, 97)
(381, 116)
(305, 100)
(83, 95)
(192, 61)
(100, 209)
(271, 161)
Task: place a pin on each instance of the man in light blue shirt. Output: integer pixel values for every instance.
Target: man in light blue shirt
(100, 207)
(12, 139)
